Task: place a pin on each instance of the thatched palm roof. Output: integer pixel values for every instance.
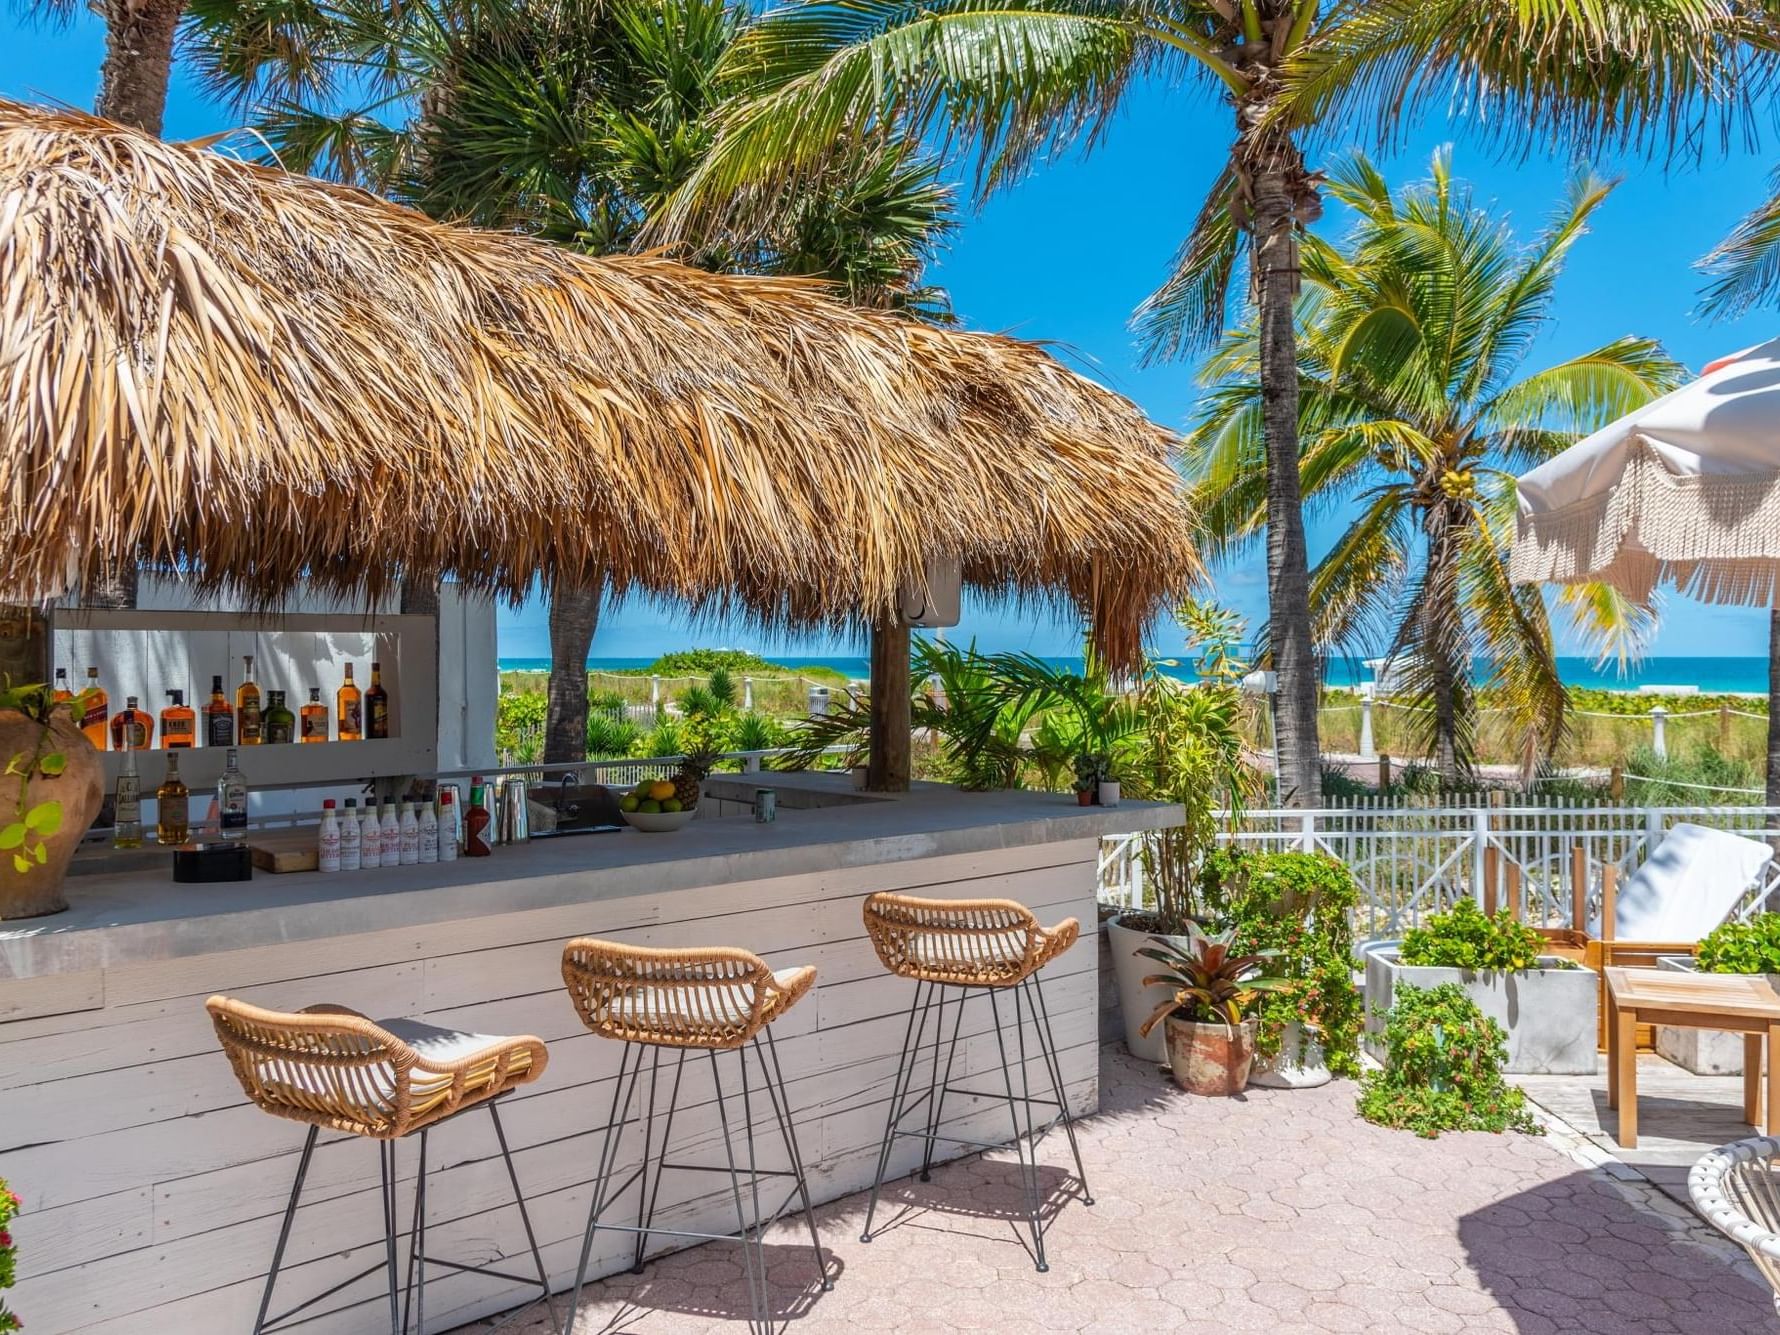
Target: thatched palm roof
(261, 378)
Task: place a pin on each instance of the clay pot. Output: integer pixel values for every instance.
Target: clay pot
(1210, 1059)
(1084, 798)
(80, 788)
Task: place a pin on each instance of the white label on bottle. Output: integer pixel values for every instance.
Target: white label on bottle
(448, 834)
(370, 843)
(349, 845)
(429, 841)
(330, 846)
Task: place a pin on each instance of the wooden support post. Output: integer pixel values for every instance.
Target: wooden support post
(1616, 783)
(889, 762)
(1609, 900)
(1514, 890)
(1492, 857)
(1384, 773)
(1579, 887)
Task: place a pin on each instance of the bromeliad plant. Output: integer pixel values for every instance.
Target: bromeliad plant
(1465, 938)
(1211, 983)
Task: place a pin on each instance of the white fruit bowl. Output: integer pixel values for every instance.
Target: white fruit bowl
(657, 822)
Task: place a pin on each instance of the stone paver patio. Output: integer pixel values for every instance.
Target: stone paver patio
(1278, 1212)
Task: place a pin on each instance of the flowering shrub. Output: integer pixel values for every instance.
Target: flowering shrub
(9, 1207)
(1443, 1068)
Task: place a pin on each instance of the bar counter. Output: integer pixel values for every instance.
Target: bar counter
(153, 1191)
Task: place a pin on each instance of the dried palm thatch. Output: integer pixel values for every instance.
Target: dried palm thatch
(260, 378)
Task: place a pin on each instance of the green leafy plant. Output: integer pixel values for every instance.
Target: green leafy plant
(610, 735)
(9, 1208)
(1298, 907)
(1464, 937)
(1742, 947)
(1443, 1068)
(22, 835)
(1212, 982)
(1091, 771)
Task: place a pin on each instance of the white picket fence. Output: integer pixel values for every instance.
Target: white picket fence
(1411, 861)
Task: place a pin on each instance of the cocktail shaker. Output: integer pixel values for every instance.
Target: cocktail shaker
(512, 822)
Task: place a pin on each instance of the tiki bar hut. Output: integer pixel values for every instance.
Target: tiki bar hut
(266, 384)
(257, 378)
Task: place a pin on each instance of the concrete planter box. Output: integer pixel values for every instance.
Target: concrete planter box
(1702, 1051)
(1551, 1014)
(1137, 1002)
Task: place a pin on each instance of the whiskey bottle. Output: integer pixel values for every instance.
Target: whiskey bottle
(127, 804)
(179, 725)
(95, 713)
(249, 721)
(314, 724)
(131, 728)
(349, 706)
(173, 806)
(219, 719)
(61, 694)
(376, 705)
(277, 724)
(231, 799)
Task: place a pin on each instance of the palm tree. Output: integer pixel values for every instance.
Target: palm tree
(573, 123)
(1025, 78)
(1415, 403)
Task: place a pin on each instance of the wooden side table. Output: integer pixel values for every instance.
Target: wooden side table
(1741, 1003)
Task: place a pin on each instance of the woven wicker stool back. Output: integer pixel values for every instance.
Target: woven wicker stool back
(962, 942)
(714, 997)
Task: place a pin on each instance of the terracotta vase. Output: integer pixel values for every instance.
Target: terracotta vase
(80, 788)
(1210, 1059)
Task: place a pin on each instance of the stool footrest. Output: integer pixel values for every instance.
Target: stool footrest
(478, 1270)
(274, 1322)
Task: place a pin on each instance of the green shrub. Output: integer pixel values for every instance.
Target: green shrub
(701, 662)
(1298, 905)
(1688, 778)
(1443, 1068)
(1743, 947)
(9, 1207)
(609, 736)
(1465, 938)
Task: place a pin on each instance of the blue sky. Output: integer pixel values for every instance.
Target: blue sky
(1066, 256)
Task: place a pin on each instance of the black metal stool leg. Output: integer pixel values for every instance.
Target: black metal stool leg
(741, 1056)
(1007, 1077)
(756, 1304)
(608, 1160)
(643, 1198)
(416, 1297)
(787, 1128)
(1048, 1041)
(941, 1084)
(290, 1214)
(905, 1071)
(667, 1131)
(531, 1238)
(386, 1165)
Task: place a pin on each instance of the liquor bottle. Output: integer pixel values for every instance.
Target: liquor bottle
(179, 725)
(231, 799)
(389, 836)
(95, 714)
(476, 826)
(376, 705)
(447, 827)
(370, 838)
(328, 858)
(349, 705)
(127, 805)
(409, 829)
(219, 719)
(173, 803)
(248, 718)
(62, 693)
(429, 833)
(314, 726)
(277, 724)
(350, 835)
(131, 728)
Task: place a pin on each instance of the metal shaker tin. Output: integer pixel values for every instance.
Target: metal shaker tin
(766, 805)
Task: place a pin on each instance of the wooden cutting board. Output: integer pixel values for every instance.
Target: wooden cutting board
(285, 850)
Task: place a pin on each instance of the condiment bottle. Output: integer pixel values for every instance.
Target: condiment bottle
(389, 836)
(447, 827)
(476, 826)
(370, 842)
(429, 833)
(409, 829)
(329, 859)
(350, 836)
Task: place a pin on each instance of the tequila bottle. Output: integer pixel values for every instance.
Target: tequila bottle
(231, 799)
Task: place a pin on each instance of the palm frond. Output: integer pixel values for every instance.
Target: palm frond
(1743, 270)
(1190, 308)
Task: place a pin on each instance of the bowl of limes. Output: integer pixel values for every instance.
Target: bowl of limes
(654, 807)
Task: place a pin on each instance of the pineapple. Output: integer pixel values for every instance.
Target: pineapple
(697, 764)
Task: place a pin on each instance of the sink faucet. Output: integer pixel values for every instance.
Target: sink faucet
(566, 783)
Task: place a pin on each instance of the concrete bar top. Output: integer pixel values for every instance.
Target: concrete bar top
(143, 915)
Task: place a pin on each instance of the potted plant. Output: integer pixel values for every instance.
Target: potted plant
(9, 1207)
(1442, 1068)
(1548, 1007)
(50, 790)
(1210, 1035)
(1092, 770)
(1732, 947)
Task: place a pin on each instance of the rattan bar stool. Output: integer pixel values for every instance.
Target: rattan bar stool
(382, 1079)
(708, 1000)
(967, 946)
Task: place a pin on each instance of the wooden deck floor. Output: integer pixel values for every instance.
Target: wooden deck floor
(1680, 1116)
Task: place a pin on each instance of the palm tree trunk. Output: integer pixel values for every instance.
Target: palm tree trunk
(574, 616)
(1274, 258)
(1439, 644)
(1773, 798)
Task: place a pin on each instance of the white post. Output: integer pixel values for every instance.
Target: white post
(1653, 831)
(751, 763)
(1367, 750)
(747, 692)
(1659, 741)
(1307, 832)
(655, 692)
(1480, 838)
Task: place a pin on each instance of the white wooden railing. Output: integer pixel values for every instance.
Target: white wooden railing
(1410, 861)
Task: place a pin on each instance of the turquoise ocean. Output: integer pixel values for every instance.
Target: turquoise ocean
(1708, 675)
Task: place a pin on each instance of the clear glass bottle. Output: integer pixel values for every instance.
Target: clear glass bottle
(95, 712)
(172, 806)
(249, 719)
(219, 718)
(350, 836)
(179, 723)
(278, 725)
(127, 804)
(231, 799)
(376, 705)
(349, 708)
(131, 727)
(314, 715)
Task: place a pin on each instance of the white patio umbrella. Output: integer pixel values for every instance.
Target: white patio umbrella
(1685, 490)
